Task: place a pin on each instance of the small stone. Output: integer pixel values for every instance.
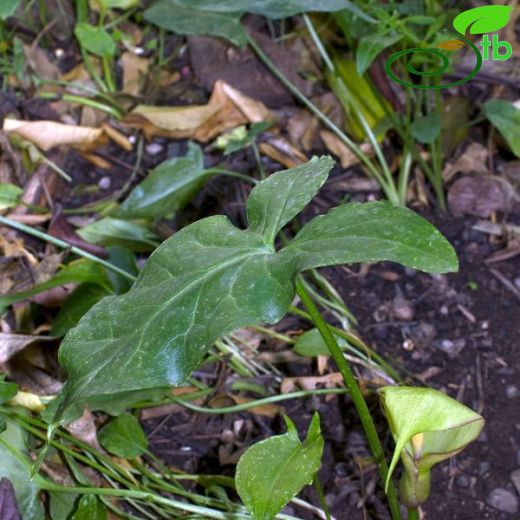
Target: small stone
(105, 183)
(462, 481)
(517, 281)
(154, 148)
(515, 478)
(452, 348)
(341, 469)
(503, 500)
(408, 345)
(444, 310)
(512, 391)
(402, 309)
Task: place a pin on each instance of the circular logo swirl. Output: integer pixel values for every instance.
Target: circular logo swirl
(443, 66)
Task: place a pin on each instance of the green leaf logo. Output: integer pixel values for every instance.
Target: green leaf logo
(484, 19)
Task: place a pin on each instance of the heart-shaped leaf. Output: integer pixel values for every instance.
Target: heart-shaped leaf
(95, 39)
(90, 508)
(426, 128)
(273, 471)
(370, 46)
(428, 427)
(211, 278)
(483, 19)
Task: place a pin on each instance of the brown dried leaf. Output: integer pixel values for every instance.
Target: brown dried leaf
(342, 151)
(282, 151)
(227, 109)
(473, 160)
(451, 45)
(134, 69)
(265, 410)
(85, 430)
(290, 384)
(11, 344)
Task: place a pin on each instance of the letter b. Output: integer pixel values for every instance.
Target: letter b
(497, 55)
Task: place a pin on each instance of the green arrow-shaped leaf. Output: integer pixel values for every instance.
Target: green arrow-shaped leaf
(211, 278)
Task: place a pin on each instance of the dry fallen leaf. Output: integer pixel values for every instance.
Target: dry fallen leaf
(85, 430)
(48, 134)
(11, 344)
(291, 384)
(265, 410)
(472, 160)
(282, 151)
(342, 151)
(134, 68)
(227, 109)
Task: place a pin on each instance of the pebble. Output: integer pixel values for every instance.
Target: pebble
(154, 148)
(512, 391)
(402, 309)
(515, 478)
(517, 281)
(503, 500)
(105, 183)
(452, 348)
(462, 481)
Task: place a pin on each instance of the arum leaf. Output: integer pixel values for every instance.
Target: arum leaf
(370, 46)
(124, 437)
(271, 472)
(174, 16)
(168, 188)
(483, 19)
(16, 467)
(90, 508)
(9, 195)
(506, 117)
(74, 272)
(95, 40)
(116, 232)
(214, 278)
(426, 128)
(428, 426)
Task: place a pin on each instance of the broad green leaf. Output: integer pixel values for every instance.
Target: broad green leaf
(90, 508)
(77, 304)
(61, 505)
(370, 46)
(428, 427)
(426, 128)
(168, 187)
(372, 232)
(483, 19)
(9, 195)
(116, 232)
(211, 278)
(125, 260)
(16, 466)
(311, 344)
(95, 40)
(506, 117)
(124, 437)
(8, 8)
(78, 271)
(274, 8)
(173, 16)
(272, 472)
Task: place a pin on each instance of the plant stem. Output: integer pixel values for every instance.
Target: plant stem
(413, 514)
(229, 173)
(321, 496)
(356, 395)
(64, 245)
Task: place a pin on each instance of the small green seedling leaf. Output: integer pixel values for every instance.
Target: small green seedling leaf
(8, 8)
(428, 427)
(95, 40)
(211, 278)
(426, 128)
(483, 19)
(7, 390)
(506, 117)
(117, 232)
(9, 195)
(311, 344)
(272, 472)
(168, 188)
(90, 508)
(124, 437)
